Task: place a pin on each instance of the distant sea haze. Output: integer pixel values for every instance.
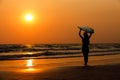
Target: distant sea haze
(45, 51)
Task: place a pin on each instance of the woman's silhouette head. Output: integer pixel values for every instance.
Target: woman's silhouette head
(85, 35)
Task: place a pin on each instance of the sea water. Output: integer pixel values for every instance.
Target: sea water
(45, 51)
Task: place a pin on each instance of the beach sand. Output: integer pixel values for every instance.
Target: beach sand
(100, 68)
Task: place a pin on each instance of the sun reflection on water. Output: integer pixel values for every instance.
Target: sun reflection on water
(29, 63)
(28, 46)
(29, 53)
(31, 68)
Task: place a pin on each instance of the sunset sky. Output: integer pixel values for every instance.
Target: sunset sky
(56, 21)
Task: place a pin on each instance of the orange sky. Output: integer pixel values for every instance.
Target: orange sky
(56, 21)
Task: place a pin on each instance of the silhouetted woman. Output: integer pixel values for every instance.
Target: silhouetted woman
(85, 45)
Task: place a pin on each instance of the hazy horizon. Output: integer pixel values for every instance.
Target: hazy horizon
(56, 21)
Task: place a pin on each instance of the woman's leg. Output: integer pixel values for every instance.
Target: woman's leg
(85, 54)
(85, 51)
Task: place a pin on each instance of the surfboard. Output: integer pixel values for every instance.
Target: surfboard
(86, 29)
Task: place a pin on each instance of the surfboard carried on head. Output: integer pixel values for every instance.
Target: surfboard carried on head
(86, 29)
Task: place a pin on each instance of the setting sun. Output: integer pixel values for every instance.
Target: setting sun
(28, 17)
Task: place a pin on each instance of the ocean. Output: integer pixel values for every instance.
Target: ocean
(47, 51)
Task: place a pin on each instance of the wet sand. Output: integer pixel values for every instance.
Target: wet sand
(100, 68)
